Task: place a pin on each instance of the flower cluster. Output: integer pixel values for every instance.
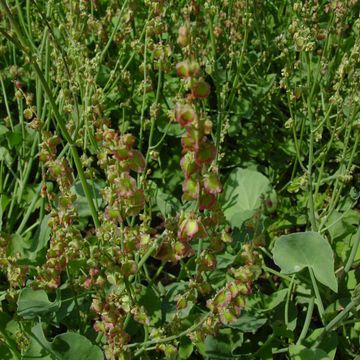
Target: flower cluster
(118, 158)
(201, 182)
(230, 300)
(66, 242)
(15, 274)
(112, 310)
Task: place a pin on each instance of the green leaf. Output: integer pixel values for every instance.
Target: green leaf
(248, 322)
(4, 202)
(151, 303)
(73, 346)
(39, 347)
(67, 346)
(275, 299)
(299, 352)
(328, 343)
(17, 245)
(5, 156)
(81, 204)
(8, 330)
(32, 303)
(6, 353)
(306, 249)
(218, 347)
(15, 137)
(41, 238)
(185, 348)
(3, 130)
(167, 204)
(242, 195)
(27, 248)
(224, 346)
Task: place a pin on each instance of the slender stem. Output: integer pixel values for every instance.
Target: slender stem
(307, 321)
(66, 135)
(337, 319)
(29, 210)
(143, 96)
(288, 296)
(113, 32)
(317, 295)
(311, 154)
(353, 251)
(157, 98)
(6, 103)
(198, 254)
(169, 338)
(152, 248)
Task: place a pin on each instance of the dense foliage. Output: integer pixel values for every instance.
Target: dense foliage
(179, 179)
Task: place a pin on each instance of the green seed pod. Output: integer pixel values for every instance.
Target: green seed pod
(200, 89)
(28, 114)
(182, 69)
(194, 69)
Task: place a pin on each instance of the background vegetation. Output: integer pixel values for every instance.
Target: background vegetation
(179, 179)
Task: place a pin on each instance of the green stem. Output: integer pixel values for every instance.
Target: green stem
(157, 97)
(113, 32)
(307, 321)
(353, 251)
(143, 96)
(6, 103)
(198, 254)
(167, 339)
(58, 117)
(337, 320)
(29, 211)
(288, 296)
(152, 248)
(311, 207)
(317, 295)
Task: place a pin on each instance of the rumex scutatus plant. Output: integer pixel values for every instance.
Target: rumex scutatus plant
(136, 220)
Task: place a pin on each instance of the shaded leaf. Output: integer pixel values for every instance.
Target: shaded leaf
(41, 238)
(248, 322)
(328, 343)
(67, 346)
(151, 303)
(81, 203)
(299, 352)
(185, 348)
(242, 195)
(32, 303)
(167, 204)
